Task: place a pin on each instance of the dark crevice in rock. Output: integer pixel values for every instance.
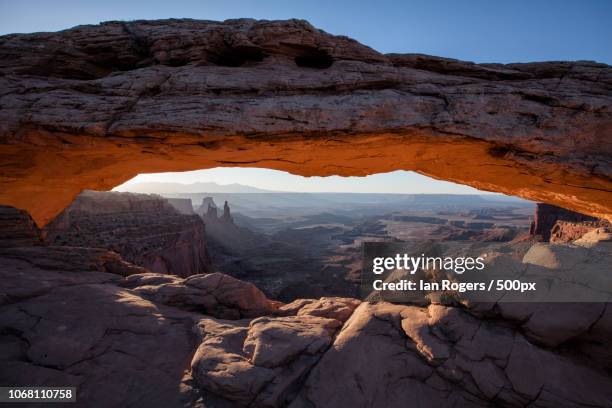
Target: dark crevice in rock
(236, 56)
(315, 58)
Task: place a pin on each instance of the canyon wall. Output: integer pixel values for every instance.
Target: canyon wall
(182, 205)
(555, 224)
(145, 229)
(17, 228)
(93, 106)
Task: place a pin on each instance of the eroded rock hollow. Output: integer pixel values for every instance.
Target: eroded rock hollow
(93, 106)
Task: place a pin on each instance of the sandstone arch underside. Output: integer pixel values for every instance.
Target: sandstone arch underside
(93, 106)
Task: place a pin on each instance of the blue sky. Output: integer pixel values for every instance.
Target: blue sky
(480, 31)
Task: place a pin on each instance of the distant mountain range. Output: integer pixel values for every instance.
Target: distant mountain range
(179, 188)
(162, 188)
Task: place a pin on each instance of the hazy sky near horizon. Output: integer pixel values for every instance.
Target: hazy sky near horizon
(404, 182)
(475, 30)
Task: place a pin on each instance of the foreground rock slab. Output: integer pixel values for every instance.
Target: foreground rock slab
(264, 362)
(77, 329)
(438, 356)
(127, 337)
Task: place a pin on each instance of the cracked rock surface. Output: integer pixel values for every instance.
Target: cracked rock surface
(441, 356)
(142, 338)
(93, 106)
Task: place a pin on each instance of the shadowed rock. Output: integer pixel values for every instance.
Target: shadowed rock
(214, 294)
(17, 228)
(145, 229)
(146, 340)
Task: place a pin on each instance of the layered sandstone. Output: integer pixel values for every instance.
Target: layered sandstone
(21, 241)
(145, 229)
(555, 224)
(93, 106)
(17, 228)
(564, 231)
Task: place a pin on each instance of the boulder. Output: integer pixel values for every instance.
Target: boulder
(214, 294)
(261, 363)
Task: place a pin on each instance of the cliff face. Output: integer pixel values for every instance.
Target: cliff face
(17, 228)
(207, 208)
(564, 231)
(555, 224)
(93, 106)
(182, 205)
(22, 241)
(144, 229)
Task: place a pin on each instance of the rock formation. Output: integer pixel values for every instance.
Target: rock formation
(262, 362)
(182, 205)
(555, 224)
(441, 356)
(144, 229)
(226, 216)
(22, 241)
(564, 231)
(214, 294)
(91, 107)
(209, 212)
(282, 269)
(207, 207)
(17, 228)
(212, 340)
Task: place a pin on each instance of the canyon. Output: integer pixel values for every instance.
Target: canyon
(288, 252)
(144, 300)
(159, 339)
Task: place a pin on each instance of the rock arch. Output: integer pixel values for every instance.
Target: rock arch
(93, 106)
